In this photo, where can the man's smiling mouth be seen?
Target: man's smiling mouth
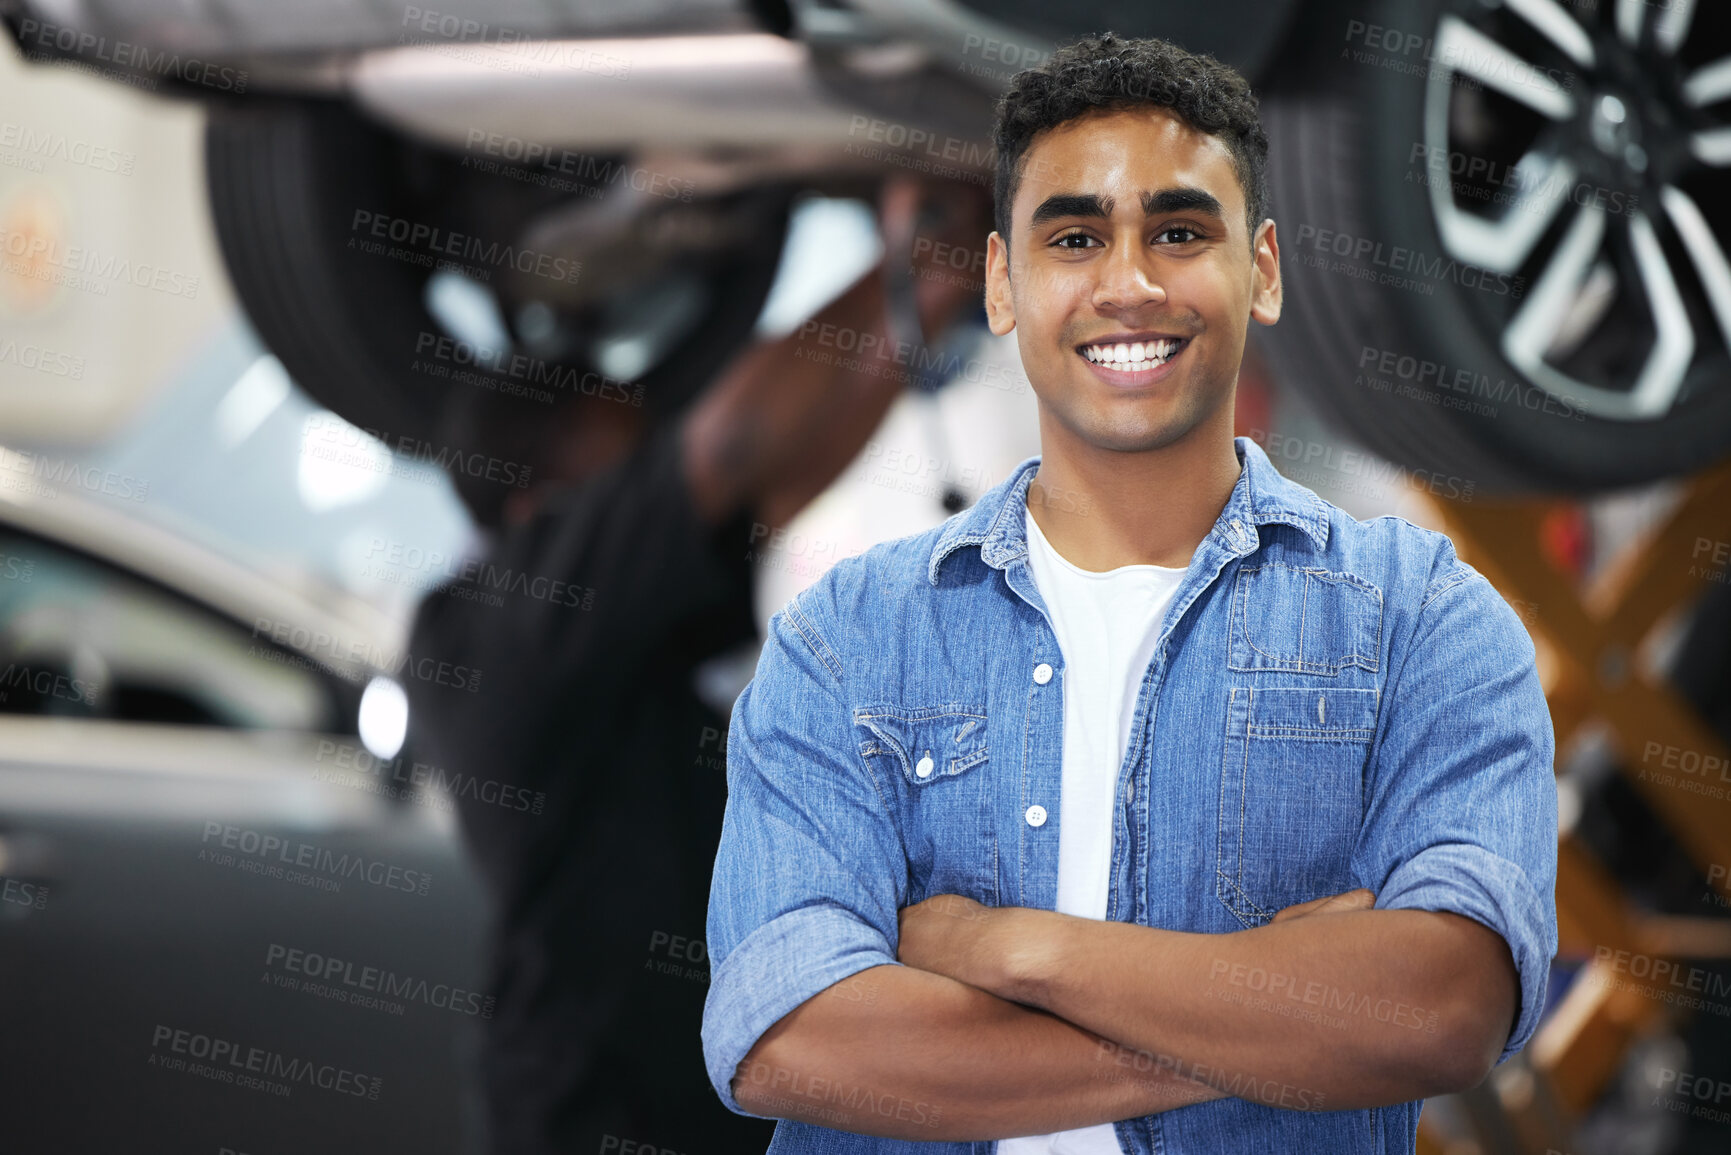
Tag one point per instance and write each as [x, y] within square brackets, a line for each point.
[1133, 356]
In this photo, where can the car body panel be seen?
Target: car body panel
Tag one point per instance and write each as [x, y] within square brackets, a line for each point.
[250, 939]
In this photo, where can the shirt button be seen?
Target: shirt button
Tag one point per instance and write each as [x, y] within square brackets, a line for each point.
[924, 769]
[1042, 675]
[1036, 815]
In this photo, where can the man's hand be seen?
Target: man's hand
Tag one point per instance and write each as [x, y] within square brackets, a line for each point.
[1360, 899]
[947, 935]
[939, 229]
[785, 417]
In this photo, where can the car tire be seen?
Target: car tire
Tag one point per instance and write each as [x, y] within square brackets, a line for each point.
[1425, 336]
[288, 183]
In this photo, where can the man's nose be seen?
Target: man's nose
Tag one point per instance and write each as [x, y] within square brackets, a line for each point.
[1128, 279]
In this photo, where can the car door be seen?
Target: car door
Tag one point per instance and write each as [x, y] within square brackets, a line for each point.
[224, 924]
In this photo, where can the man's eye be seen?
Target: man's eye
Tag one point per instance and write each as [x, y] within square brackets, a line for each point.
[1189, 234]
[1084, 238]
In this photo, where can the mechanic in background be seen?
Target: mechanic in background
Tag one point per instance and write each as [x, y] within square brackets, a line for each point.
[599, 901]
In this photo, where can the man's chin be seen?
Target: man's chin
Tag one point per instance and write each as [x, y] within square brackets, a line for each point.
[1111, 433]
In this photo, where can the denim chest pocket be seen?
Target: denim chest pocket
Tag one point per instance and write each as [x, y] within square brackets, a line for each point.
[1304, 621]
[1291, 794]
[939, 757]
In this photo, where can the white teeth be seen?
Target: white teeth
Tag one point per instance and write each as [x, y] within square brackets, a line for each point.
[1134, 355]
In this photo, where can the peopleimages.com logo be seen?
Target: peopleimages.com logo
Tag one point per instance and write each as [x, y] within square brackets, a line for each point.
[40, 37]
[336, 866]
[352, 982]
[226, 1061]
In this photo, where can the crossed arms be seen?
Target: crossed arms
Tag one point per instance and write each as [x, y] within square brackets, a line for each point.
[952, 1020]
[1011, 1021]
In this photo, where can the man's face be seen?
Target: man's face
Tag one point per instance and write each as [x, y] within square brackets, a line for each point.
[1132, 277]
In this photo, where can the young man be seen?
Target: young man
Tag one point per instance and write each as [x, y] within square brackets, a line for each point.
[1153, 804]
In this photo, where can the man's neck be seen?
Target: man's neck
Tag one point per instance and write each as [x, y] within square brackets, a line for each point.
[1101, 509]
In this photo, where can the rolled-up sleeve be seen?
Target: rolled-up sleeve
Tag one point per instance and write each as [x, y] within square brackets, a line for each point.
[810, 872]
[1461, 795]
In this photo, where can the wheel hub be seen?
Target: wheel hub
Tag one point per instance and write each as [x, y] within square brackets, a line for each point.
[1615, 129]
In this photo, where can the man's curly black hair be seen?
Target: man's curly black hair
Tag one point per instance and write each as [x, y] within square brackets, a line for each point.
[1109, 72]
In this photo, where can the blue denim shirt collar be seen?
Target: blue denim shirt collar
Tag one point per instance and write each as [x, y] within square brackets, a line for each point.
[1261, 496]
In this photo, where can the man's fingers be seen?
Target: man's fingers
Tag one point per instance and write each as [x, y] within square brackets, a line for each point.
[1298, 911]
[1359, 899]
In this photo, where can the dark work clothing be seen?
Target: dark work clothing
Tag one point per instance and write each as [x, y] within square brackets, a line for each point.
[600, 1005]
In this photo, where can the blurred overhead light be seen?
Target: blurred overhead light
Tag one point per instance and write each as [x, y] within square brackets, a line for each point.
[384, 717]
[831, 242]
[467, 310]
[253, 397]
[340, 464]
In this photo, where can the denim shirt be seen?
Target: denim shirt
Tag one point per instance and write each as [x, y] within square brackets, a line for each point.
[1331, 704]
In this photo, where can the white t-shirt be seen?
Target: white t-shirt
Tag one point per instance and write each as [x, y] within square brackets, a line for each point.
[1107, 624]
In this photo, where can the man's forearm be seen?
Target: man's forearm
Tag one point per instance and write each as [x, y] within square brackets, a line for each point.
[787, 415]
[903, 1053]
[1359, 1009]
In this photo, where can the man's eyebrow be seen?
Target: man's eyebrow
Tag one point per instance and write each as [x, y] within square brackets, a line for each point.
[1060, 205]
[1182, 200]
[1186, 199]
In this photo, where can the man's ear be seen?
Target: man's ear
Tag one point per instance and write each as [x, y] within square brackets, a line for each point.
[1000, 312]
[1265, 295]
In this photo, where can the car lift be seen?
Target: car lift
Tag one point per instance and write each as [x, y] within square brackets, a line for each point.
[1590, 648]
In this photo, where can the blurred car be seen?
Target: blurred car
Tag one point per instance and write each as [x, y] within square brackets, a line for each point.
[206, 874]
[1504, 223]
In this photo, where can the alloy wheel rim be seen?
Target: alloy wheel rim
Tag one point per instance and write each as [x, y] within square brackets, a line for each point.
[1588, 164]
